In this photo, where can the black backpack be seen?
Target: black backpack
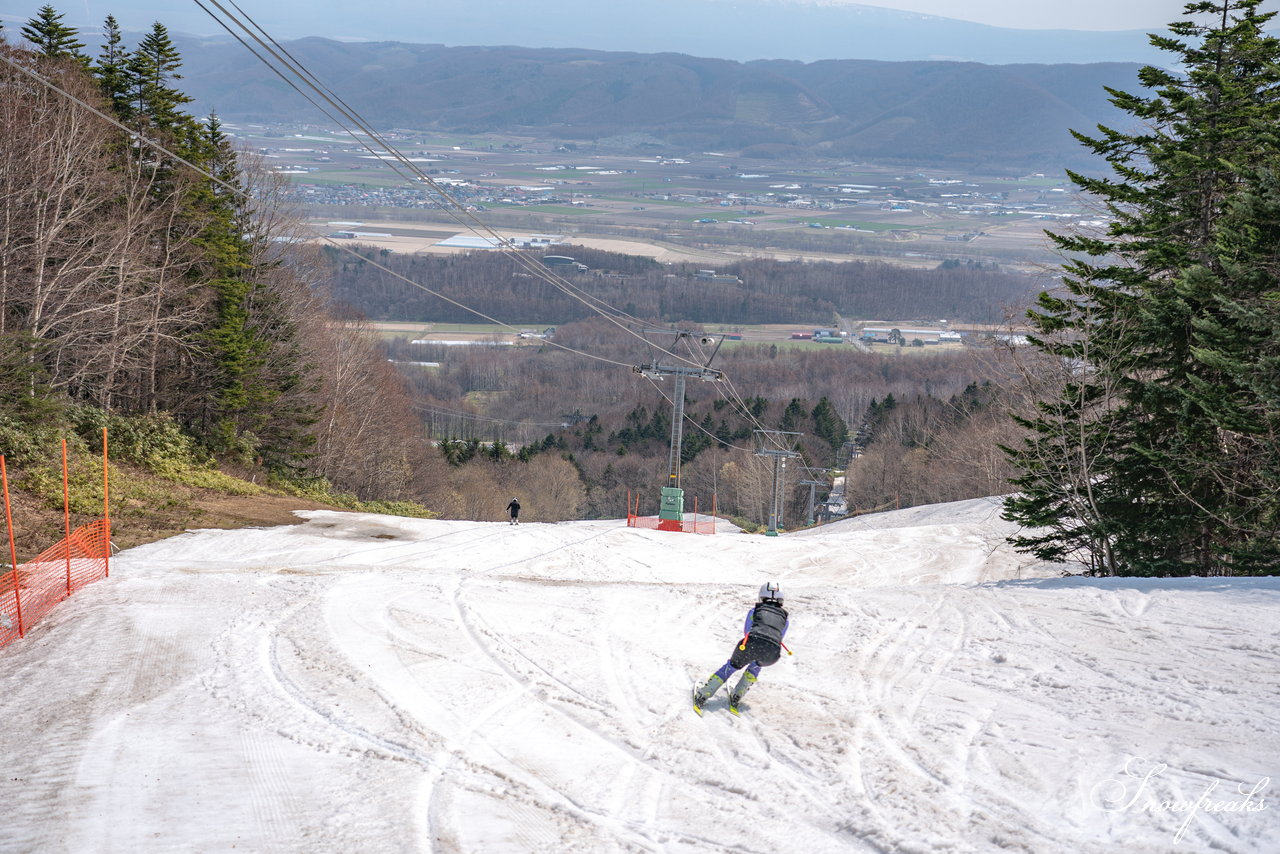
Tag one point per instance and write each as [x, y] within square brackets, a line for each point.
[768, 622]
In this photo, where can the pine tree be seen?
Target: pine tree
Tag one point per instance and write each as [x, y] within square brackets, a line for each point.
[829, 426]
[1237, 382]
[112, 69]
[792, 416]
[53, 39]
[258, 363]
[152, 67]
[1135, 466]
[235, 351]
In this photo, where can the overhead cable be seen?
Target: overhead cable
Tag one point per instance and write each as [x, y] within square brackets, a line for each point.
[476, 225]
[240, 193]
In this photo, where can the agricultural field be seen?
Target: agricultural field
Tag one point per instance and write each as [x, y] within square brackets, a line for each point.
[694, 201]
[778, 334]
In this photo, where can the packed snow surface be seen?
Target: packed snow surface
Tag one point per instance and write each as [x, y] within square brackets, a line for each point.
[362, 683]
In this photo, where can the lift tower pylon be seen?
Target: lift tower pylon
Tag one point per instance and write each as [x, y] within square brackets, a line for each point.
[780, 456]
[671, 508]
[813, 486]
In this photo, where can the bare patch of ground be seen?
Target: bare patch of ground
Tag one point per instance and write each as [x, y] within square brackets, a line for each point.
[145, 508]
[251, 511]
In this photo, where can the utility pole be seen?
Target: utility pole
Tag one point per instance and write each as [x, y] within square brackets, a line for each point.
[780, 456]
[671, 507]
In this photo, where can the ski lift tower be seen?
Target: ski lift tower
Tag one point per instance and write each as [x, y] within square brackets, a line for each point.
[780, 456]
[813, 486]
[671, 507]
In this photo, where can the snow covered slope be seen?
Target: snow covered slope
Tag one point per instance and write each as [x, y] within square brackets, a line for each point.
[363, 683]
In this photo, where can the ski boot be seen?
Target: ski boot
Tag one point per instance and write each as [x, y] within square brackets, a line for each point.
[744, 685]
[706, 692]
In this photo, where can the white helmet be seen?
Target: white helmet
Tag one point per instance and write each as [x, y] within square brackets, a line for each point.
[771, 590]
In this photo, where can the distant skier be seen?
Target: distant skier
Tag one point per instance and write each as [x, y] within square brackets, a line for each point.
[761, 645]
[514, 509]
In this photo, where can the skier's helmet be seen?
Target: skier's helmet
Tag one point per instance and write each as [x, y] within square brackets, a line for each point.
[771, 590]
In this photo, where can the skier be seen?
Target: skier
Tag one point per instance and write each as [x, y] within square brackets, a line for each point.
[514, 509]
[761, 646]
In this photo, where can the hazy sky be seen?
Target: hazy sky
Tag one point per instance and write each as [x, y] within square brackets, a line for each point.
[1026, 14]
[1050, 14]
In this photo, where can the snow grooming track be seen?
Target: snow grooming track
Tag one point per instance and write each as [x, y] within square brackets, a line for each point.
[566, 700]
[548, 694]
[367, 683]
[911, 735]
[581, 711]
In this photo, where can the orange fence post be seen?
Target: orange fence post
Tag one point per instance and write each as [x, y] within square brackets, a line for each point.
[66, 512]
[13, 551]
[106, 507]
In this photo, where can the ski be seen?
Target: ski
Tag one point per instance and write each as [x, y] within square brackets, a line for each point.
[697, 707]
[733, 710]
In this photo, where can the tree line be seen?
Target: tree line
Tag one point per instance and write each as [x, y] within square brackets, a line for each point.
[908, 429]
[1146, 437]
[765, 291]
[133, 283]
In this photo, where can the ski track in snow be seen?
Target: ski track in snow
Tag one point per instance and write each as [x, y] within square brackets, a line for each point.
[367, 683]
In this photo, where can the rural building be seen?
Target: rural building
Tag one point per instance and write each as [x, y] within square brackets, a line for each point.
[882, 334]
[466, 240]
[713, 276]
[563, 261]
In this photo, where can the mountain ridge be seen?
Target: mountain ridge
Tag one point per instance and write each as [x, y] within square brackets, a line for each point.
[964, 114]
[743, 30]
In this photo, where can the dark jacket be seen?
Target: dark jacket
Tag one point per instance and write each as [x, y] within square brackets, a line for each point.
[514, 507]
[767, 622]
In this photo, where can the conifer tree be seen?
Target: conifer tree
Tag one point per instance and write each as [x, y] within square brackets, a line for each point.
[152, 67]
[829, 426]
[112, 69]
[256, 358]
[1236, 348]
[53, 39]
[1136, 465]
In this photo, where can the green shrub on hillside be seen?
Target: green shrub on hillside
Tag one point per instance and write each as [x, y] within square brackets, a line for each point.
[24, 442]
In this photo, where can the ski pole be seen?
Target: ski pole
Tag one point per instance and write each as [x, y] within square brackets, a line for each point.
[784, 646]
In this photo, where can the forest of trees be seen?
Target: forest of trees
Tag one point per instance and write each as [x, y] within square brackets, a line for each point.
[769, 292]
[166, 285]
[148, 270]
[928, 426]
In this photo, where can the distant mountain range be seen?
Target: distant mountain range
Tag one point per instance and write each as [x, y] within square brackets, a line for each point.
[963, 114]
[806, 30]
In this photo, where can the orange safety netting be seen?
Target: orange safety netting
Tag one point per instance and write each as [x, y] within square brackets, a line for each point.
[55, 574]
[694, 526]
[686, 525]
